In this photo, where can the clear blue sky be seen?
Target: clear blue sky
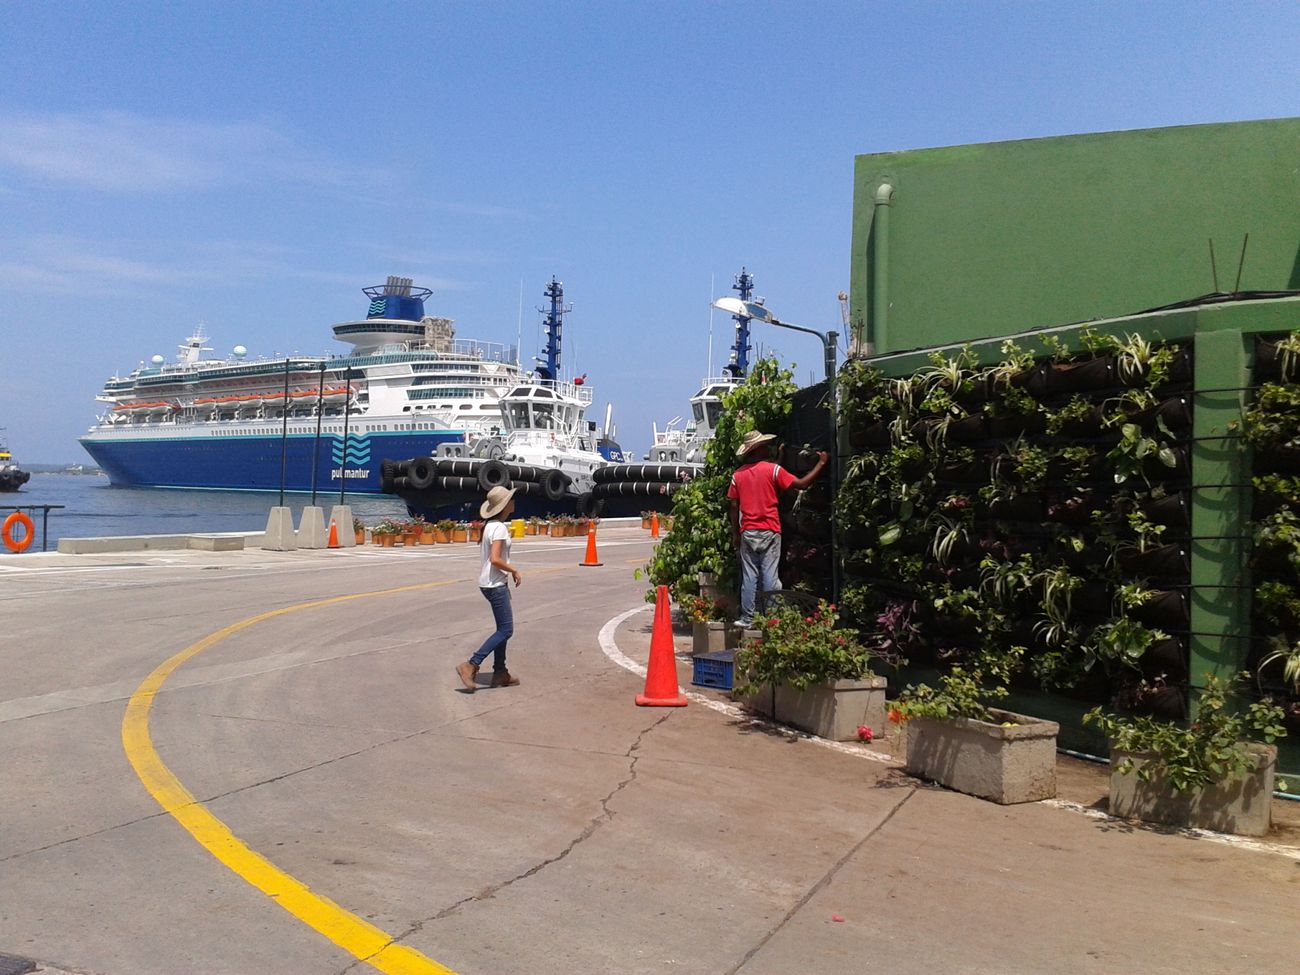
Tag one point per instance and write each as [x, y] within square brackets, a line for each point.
[255, 165]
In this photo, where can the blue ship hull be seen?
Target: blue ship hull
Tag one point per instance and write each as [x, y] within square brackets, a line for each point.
[252, 463]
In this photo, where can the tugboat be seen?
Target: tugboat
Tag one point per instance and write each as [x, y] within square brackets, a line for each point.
[546, 447]
[677, 454]
[12, 477]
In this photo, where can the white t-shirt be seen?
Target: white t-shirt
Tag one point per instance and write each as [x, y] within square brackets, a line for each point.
[490, 576]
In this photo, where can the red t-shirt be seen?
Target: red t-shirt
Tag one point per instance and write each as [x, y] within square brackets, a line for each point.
[756, 486]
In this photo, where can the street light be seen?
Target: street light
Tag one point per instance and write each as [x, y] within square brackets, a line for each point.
[758, 312]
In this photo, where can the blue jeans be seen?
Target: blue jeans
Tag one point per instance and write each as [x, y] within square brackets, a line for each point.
[499, 597]
[760, 555]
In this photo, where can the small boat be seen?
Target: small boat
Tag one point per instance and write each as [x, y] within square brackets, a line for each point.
[12, 477]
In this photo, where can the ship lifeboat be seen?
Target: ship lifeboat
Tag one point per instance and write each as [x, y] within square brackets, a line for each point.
[337, 395]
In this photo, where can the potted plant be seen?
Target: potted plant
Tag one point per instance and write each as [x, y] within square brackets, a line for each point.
[532, 526]
[359, 529]
[424, 531]
[460, 531]
[806, 671]
[709, 630]
[957, 738]
[476, 530]
[410, 531]
[1215, 773]
[646, 518]
[385, 533]
[442, 530]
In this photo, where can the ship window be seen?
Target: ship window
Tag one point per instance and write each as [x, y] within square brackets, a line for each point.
[699, 411]
[715, 413]
[544, 415]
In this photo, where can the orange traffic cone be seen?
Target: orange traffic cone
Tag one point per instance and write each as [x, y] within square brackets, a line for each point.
[661, 675]
[654, 524]
[591, 546]
[334, 535]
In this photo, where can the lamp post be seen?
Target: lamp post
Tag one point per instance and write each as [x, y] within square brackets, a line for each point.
[829, 340]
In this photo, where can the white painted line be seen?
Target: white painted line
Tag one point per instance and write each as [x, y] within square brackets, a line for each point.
[610, 648]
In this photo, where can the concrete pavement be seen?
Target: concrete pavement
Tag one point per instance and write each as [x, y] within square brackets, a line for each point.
[551, 827]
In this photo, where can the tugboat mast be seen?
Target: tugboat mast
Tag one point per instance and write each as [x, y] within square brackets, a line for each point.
[738, 368]
[549, 369]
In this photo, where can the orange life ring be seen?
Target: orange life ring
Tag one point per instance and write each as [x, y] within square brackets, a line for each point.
[18, 518]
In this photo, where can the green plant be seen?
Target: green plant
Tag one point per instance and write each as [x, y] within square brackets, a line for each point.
[966, 691]
[701, 536]
[1137, 358]
[386, 527]
[1288, 655]
[1079, 408]
[357, 524]
[1129, 456]
[800, 650]
[1121, 642]
[1210, 749]
[697, 609]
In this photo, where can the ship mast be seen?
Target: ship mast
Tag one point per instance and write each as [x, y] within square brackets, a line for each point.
[548, 369]
[738, 367]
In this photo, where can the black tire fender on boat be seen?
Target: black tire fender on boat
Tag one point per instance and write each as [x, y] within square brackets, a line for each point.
[528, 489]
[492, 473]
[420, 473]
[590, 506]
[462, 485]
[525, 472]
[554, 484]
[387, 474]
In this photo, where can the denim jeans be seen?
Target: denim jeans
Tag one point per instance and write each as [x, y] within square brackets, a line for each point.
[499, 598]
[760, 555]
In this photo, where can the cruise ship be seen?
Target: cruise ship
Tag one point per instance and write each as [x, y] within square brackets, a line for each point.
[407, 387]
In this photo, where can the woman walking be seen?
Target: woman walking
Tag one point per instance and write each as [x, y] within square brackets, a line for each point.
[494, 582]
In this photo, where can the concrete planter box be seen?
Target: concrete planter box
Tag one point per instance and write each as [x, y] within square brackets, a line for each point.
[1240, 805]
[831, 711]
[713, 637]
[1016, 763]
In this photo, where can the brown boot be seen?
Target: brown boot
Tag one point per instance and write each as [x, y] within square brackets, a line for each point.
[502, 678]
[468, 671]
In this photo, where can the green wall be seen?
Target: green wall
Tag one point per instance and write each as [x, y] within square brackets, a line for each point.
[989, 239]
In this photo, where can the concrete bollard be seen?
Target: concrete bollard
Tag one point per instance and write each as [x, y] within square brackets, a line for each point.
[341, 515]
[279, 535]
[311, 528]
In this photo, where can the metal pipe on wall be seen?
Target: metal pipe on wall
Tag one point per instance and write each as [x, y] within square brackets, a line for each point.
[877, 341]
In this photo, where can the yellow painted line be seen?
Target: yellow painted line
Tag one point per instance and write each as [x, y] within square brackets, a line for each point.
[354, 935]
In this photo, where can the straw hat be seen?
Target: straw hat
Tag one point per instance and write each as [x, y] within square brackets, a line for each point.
[753, 439]
[497, 498]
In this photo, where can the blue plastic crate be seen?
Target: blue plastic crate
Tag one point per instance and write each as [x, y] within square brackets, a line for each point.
[716, 670]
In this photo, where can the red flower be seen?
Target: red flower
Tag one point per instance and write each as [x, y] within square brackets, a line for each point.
[773, 622]
[864, 733]
[896, 716]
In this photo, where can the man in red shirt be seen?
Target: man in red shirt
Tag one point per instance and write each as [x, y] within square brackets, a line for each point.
[756, 518]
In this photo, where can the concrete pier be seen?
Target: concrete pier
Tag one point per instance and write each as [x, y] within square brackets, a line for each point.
[306, 703]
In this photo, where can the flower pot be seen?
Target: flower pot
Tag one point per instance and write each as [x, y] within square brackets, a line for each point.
[1088, 425]
[832, 711]
[1008, 762]
[460, 535]
[361, 537]
[1242, 804]
[865, 437]
[1269, 363]
[1088, 374]
[1165, 611]
[440, 536]
[1021, 507]
[543, 529]
[476, 534]
[969, 429]
[410, 538]
[1167, 657]
[426, 538]
[645, 523]
[1164, 561]
[712, 636]
[1170, 511]
[1012, 425]
[388, 541]
[968, 472]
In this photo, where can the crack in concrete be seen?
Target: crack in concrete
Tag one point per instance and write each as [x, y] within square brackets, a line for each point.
[606, 814]
[820, 885]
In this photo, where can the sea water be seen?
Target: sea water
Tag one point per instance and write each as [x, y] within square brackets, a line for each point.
[94, 508]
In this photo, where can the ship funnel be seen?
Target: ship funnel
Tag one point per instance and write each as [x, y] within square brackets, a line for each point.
[397, 299]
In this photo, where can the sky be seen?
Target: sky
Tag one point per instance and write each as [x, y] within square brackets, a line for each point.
[253, 166]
